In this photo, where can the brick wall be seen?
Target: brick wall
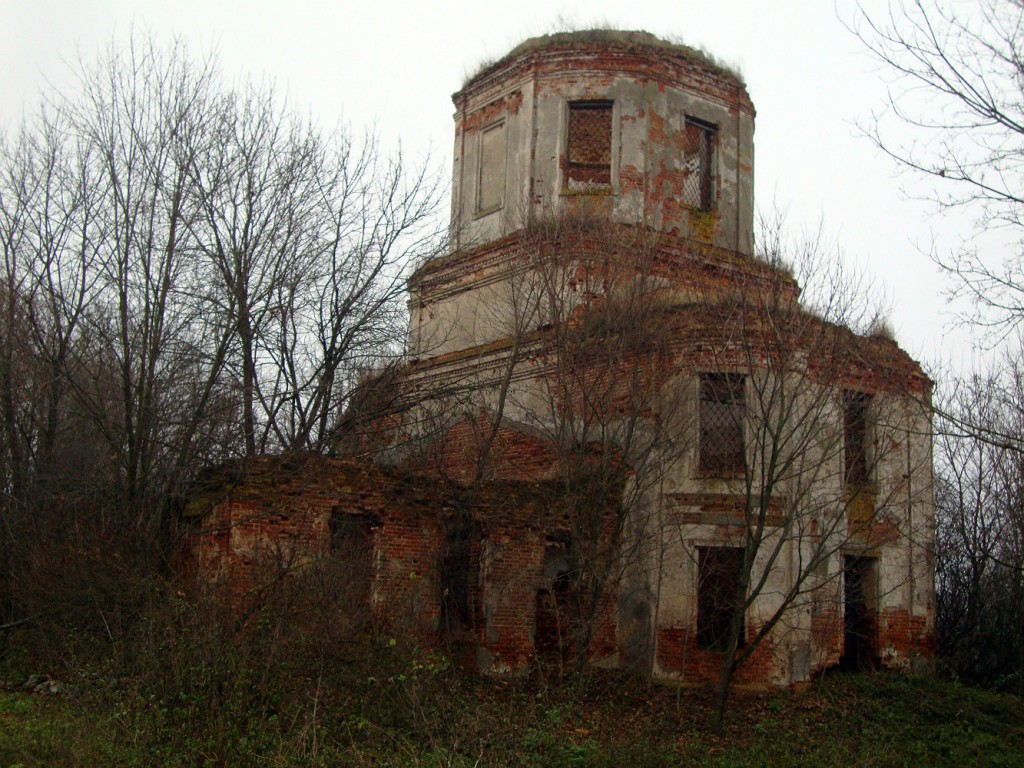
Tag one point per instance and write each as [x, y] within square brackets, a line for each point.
[678, 655]
[253, 523]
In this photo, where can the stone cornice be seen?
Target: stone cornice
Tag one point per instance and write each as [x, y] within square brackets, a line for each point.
[571, 54]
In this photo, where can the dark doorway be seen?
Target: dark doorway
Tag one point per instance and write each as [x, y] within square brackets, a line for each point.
[457, 569]
[551, 632]
[718, 581]
[860, 616]
[350, 565]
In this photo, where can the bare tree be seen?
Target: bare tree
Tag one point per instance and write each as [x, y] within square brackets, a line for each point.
[138, 117]
[956, 85]
[248, 265]
[689, 420]
[570, 353]
[48, 259]
[980, 534]
[819, 437]
[598, 399]
[14, 230]
[808, 442]
[307, 237]
[374, 216]
[189, 273]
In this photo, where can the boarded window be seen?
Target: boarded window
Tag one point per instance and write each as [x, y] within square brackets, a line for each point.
[699, 155]
[855, 436]
[589, 146]
[722, 411]
[492, 168]
[719, 571]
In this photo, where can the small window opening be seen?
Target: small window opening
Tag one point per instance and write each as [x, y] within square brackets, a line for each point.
[855, 437]
[589, 146]
[719, 571]
[699, 155]
[722, 410]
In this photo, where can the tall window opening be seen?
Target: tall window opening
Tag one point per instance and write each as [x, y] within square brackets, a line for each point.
[722, 411]
[699, 155]
[719, 571]
[589, 147]
[855, 437]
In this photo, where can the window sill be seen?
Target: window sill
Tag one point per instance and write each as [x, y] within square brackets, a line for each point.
[487, 212]
[706, 474]
[866, 489]
[588, 192]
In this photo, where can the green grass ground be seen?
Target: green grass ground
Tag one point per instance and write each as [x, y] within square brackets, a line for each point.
[444, 720]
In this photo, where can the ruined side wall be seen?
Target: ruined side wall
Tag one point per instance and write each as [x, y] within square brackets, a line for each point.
[244, 537]
[265, 526]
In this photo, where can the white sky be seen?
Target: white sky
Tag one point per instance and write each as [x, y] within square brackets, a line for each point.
[395, 63]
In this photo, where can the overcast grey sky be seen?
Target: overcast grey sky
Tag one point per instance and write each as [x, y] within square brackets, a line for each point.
[395, 63]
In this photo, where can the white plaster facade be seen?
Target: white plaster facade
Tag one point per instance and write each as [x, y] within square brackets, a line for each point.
[480, 335]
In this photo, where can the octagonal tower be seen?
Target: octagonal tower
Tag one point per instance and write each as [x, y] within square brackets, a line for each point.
[652, 132]
[615, 127]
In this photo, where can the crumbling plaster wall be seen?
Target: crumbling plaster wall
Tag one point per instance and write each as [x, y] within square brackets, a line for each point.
[653, 92]
[657, 592]
[701, 511]
[504, 290]
[527, 101]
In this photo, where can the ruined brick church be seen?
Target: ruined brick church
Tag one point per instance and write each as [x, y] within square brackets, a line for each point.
[618, 435]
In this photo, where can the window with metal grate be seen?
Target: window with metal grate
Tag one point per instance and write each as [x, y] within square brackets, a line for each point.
[589, 147]
[722, 410]
[699, 155]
